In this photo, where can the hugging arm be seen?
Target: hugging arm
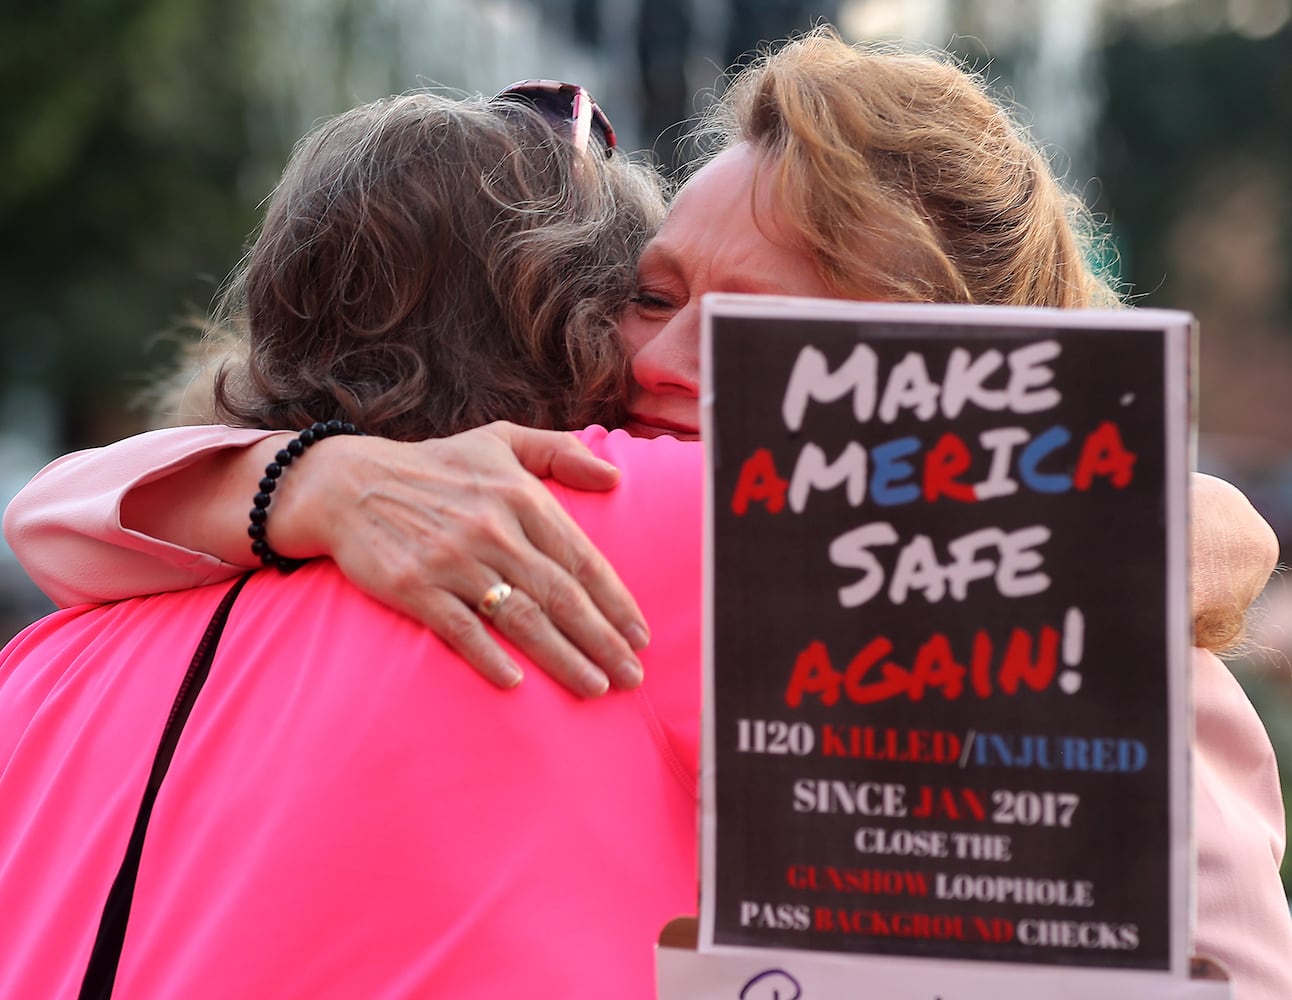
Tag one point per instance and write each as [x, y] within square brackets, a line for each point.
[67, 526]
[425, 527]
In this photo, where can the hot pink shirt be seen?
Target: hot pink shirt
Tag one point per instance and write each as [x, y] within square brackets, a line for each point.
[351, 812]
[66, 528]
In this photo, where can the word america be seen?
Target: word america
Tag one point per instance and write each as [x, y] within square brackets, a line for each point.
[894, 472]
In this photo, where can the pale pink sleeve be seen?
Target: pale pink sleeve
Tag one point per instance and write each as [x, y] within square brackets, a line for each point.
[65, 525]
[1243, 918]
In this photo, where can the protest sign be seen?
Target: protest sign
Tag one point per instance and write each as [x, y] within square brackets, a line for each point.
[947, 632]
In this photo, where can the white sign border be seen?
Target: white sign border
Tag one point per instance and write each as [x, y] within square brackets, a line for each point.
[1179, 456]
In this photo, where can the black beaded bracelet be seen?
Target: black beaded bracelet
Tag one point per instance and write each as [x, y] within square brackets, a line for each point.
[260, 512]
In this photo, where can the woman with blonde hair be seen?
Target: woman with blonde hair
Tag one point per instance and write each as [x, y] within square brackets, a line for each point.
[876, 156]
[837, 171]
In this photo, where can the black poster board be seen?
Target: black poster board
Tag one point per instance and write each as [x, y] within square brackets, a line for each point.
[947, 648]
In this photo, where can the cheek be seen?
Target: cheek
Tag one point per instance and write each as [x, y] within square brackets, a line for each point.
[636, 331]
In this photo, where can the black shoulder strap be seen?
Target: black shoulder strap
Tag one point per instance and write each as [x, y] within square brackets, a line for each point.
[106, 954]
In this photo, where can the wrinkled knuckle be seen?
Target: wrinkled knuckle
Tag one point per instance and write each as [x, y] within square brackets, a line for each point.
[583, 566]
[565, 602]
[524, 618]
[458, 627]
[487, 535]
[435, 562]
[404, 573]
[523, 492]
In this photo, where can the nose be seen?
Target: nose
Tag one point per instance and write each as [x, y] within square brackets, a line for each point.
[669, 363]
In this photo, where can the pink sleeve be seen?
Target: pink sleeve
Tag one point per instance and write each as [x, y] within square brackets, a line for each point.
[65, 525]
[1243, 918]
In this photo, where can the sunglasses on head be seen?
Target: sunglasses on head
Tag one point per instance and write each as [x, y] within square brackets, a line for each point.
[565, 105]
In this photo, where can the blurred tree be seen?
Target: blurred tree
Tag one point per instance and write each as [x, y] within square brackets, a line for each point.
[1195, 152]
[664, 41]
[1176, 111]
[121, 151]
[1195, 158]
[674, 49]
[755, 23]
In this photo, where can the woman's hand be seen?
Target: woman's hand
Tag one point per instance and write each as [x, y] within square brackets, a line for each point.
[428, 527]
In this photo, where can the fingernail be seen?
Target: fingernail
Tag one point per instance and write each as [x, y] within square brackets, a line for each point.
[637, 636]
[512, 675]
[595, 683]
[630, 674]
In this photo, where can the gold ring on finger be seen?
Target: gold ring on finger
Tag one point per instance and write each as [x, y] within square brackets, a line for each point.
[493, 598]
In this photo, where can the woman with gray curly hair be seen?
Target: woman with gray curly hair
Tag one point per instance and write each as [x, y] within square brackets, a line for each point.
[283, 788]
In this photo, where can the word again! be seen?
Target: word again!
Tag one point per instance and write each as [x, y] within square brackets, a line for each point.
[1025, 661]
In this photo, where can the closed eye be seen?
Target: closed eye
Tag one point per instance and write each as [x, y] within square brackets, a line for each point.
[651, 302]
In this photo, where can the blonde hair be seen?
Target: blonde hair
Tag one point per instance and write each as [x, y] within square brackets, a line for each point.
[182, 393]
[906, 180]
